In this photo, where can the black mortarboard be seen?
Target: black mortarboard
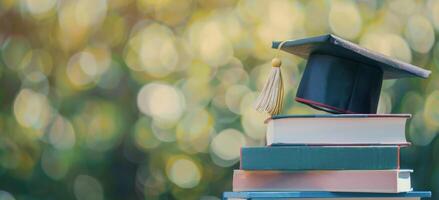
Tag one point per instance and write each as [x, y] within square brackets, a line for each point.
[342, 77]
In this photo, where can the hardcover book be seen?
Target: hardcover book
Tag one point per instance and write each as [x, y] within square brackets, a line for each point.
[379, 181]
[345, 129]
[320, 158]
[415, 195]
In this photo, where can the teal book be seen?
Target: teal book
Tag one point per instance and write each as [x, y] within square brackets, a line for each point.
[414, 195]
[320, 158]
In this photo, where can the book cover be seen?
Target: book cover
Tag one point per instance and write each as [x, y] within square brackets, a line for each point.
[320, 158]
[380, 181]
[326, 195]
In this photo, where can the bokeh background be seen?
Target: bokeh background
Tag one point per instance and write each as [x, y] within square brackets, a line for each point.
[125, 99]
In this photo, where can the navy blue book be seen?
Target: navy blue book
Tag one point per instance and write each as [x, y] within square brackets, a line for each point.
[320, 158]
[326, 195]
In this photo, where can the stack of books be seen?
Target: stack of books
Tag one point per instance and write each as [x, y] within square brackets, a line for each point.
[347, 156]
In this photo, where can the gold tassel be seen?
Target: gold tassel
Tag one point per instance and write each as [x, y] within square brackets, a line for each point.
[271, 98]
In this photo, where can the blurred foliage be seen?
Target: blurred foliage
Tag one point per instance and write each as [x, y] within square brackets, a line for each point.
[125, 99]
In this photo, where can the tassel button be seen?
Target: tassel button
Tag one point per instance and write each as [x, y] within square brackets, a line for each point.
[276, 62]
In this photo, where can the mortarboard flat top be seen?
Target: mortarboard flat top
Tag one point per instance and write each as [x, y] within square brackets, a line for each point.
[342, 77]
[283, 195]
[332, 45]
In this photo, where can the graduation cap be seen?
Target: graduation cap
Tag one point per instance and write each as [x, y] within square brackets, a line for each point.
[340, 76]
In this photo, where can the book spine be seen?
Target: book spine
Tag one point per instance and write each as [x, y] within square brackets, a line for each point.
[319, 158]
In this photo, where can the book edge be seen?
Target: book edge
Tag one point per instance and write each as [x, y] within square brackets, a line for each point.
[420, 194]
[339, 116]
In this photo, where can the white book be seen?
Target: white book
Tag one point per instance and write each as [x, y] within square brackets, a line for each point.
[344, 129]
